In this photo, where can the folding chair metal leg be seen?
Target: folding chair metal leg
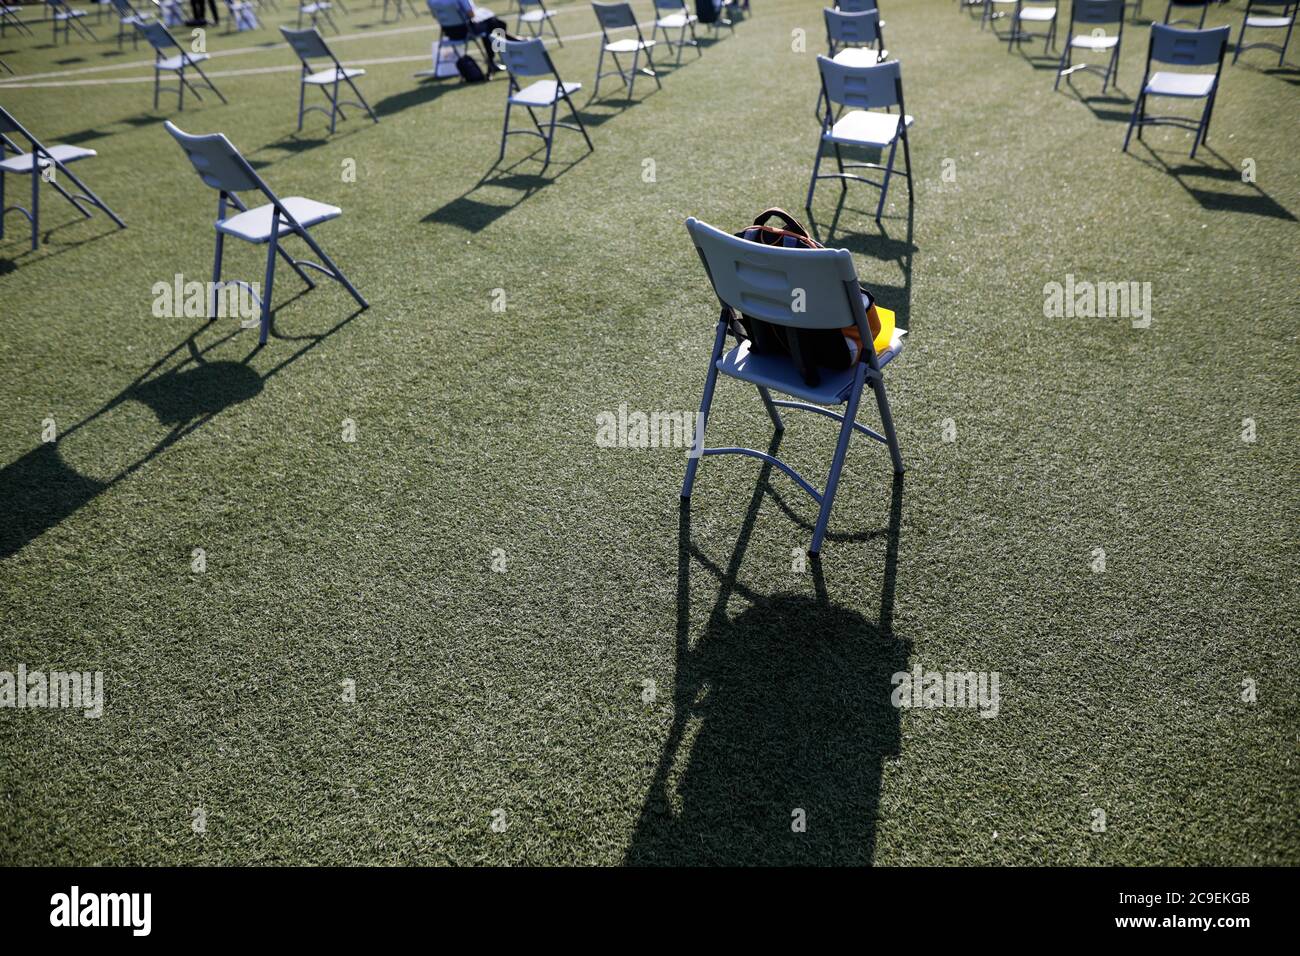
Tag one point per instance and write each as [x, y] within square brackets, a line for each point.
[1133, 120]
[550, 136]
[582, 127]
[837, 464]
[772, 410]
[812, 185]
[889, 171]
[711, 380]
[505, 131]
[302, 98]
[334, 103]
[36, 201]
[267, 287]
[551, 21]
[333, 271]
[216, 274]
[887, 421]
[361, 99]
[208, 83]
[600, 62]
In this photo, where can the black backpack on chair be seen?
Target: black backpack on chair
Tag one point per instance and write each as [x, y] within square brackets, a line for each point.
[834, 349]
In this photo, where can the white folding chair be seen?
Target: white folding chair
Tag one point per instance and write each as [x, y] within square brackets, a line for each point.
[992, 12]
[861, 90]
[309, 46]
[127, 18]
[1033, 11]
[1088, 22]
[534, 15]
[619, 16]
[63, 15]
[525, 59]
[317, 11]
[242, 16]
[852, 39]
[43, 164]
[221, 167]
[397, 6]
[799, 289]
[9, 18]
[1187, 5]
[1257, 17]
[1181, 48]
[161, 40]
[674, 15]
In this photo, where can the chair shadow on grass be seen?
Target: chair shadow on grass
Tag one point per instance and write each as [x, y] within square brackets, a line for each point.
[781, 712]
[473, 214]
[1196, 174]
[40, 489]
[1098, 101]
[891, 242]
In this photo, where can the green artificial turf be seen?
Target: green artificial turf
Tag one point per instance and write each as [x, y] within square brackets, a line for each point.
[526, 691]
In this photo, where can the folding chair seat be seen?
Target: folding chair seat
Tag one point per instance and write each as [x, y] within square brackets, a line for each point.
[35, 160]
[525, 59]
[317, 11]
[309, 45]
[1037, 11]
[536, 19]
[765, 282]
[221, 167]
[63, 15]
[619, 16]
[9, 18]
[1189, 6]
[1282, 18]
[860, 90]
[673, 15]
[242, 16]
[1087, 32]
[161, 40]
[1181, 48]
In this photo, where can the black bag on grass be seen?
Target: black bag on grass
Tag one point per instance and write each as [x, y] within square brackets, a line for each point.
[469, 70]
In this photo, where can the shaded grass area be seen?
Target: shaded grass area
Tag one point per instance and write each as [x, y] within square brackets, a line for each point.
[642, 685]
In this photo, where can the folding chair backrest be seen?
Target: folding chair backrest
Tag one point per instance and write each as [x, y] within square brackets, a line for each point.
[526, 57]
[672, 6]
[1188, 47]
[614, 16]
[1097, 12]
[124, 8]
[857, 6]
[862, 87]
[1284, 4]
[308, 44]
[448, 13]
[861, 27]
[768, 282]
[531, 3]
[159, 36]
[217, 161]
